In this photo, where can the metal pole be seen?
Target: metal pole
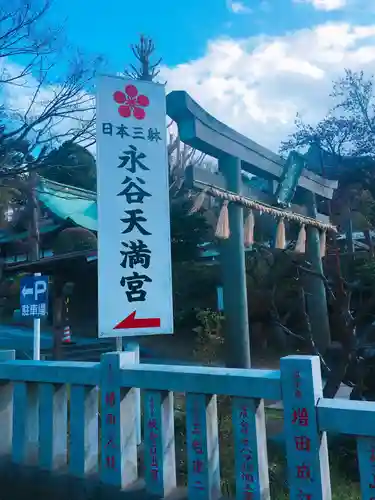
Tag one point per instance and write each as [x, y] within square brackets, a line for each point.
[36, 339]
[119, 344]
[220, 298]
[232, 254]
[134, 347]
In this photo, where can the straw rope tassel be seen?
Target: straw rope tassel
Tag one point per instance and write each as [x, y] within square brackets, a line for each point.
[280, 235]
[323, 243]
[301, 240]
[222, 228]
[198, 202]
[267, 209]
[248, 232]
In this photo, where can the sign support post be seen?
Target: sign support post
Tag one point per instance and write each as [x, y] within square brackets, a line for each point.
[119, 344]
[36, 340]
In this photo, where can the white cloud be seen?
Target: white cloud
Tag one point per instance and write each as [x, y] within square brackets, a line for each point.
[326, 5]
[238, 7]
[257, 85]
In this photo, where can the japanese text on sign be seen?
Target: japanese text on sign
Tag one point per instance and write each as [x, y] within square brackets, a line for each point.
[137, 254]
[33, 310]
[153, 435]
[246, 455]
[302, 442]
[110, 420]
[297, 384]
[371, 485]
[198, 457]
[135, 294]
[152, 134]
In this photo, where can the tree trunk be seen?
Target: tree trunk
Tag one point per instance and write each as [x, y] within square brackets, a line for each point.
[34, 219]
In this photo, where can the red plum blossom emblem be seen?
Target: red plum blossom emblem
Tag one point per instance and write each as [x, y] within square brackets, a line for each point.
[131, 103]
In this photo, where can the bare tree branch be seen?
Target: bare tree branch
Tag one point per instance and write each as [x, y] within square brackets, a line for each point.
[143, 52]
[55, 113]
[25, 30]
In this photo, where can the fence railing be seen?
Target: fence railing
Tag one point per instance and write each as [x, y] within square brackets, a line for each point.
[102, 402]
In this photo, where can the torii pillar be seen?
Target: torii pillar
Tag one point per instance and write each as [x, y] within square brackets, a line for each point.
[232, 258]
[232, 252]
[316, 299]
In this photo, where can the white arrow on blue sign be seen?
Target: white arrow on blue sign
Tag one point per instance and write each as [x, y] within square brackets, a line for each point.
[27, 291]
[34, 296]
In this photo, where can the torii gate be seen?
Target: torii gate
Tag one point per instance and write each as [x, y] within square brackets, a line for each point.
[236, 152]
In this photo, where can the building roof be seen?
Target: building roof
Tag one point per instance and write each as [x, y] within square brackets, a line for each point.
[66, 203]
[69, 203]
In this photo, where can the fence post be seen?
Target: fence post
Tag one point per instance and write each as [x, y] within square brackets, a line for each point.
[366, 459]
[6, 408]
[83, 430]
[118, 422]
[202, 440]
[53, 426]
[159, 443]
[25, 445]
[306, 447]
[250, 447]
[133, 347]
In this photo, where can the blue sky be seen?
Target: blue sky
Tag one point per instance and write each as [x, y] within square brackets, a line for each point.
[253, 64]
[180, 29]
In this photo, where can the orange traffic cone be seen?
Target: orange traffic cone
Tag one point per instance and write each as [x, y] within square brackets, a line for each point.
[66, 337]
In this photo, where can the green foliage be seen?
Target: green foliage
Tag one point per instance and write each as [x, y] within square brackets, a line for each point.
[74, 239]
[364, 272]
[14, 152]
[71, 164]
[194, 287]
[210, 340]
[194, 283]
[271, 279]
[10, 295]
[187, 231]
[210, 323]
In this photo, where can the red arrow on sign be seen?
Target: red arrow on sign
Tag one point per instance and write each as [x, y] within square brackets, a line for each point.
[132, 322]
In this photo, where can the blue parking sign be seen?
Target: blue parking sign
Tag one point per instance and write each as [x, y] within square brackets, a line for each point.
[34, 296]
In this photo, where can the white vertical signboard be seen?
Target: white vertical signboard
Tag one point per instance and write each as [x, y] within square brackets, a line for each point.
[134, 248]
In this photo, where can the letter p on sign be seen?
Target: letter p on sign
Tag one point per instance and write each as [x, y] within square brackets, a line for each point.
[40, 288]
